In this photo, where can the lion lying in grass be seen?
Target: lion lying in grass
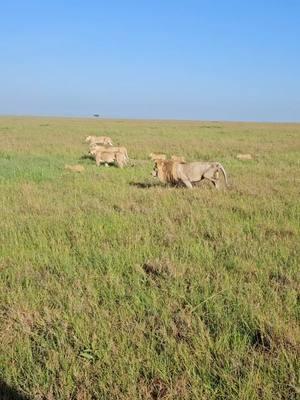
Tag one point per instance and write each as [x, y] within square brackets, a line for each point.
[105, 140]
[74, 168]
[173, 172]
[180, 159]
[156, 156]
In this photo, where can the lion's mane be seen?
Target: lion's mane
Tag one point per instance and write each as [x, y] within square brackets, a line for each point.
[167, 171]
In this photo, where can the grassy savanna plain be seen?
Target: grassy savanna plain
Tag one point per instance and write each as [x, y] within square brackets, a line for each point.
[113, 286]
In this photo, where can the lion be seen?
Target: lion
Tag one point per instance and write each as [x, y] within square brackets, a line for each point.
[155, 156]
[180, 159]
[105, 140]
[74, 168]
[109, 157]
[244, 157]
[173, 172]
[121, 149]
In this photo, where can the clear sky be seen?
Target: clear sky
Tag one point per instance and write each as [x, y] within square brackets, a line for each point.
[188, 59]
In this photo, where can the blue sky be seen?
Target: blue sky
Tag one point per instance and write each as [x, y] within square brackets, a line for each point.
[206, 60]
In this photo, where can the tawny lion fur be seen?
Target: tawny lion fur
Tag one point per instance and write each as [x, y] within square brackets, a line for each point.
[109, 157]
[156, 156]
[173, 172]
[75, 168]
[178, 159]
[96, 148]
[105, 140]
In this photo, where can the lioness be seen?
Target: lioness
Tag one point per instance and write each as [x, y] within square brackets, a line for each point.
[173, 172]
[244, 157]
[178, 159]
[109, 157]
[74, 168]
[121, 149]
[105, 140]
[155, 156]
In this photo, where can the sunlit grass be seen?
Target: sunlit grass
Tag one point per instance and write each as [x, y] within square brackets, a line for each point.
[113, 286]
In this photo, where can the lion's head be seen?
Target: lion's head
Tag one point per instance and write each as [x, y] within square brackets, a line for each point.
[165, 171]
[93, 152]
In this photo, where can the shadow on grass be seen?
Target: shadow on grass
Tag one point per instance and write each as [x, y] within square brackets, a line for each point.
[203, 185]
[144, 185]
[87, 157]
[10, 393]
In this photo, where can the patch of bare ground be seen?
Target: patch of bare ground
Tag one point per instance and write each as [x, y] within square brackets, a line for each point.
[159, 269]
[181, 328]
[281, 280]
[266, 339]
[156, 388]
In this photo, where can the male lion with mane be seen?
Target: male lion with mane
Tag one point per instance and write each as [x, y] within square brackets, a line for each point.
[173, 172]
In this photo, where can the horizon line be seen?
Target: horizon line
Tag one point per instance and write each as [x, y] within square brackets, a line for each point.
[107, 118]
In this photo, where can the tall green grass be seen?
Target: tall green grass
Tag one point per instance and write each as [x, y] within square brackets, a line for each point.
[113, 286]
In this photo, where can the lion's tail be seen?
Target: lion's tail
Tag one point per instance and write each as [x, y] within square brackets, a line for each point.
[224, 173]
